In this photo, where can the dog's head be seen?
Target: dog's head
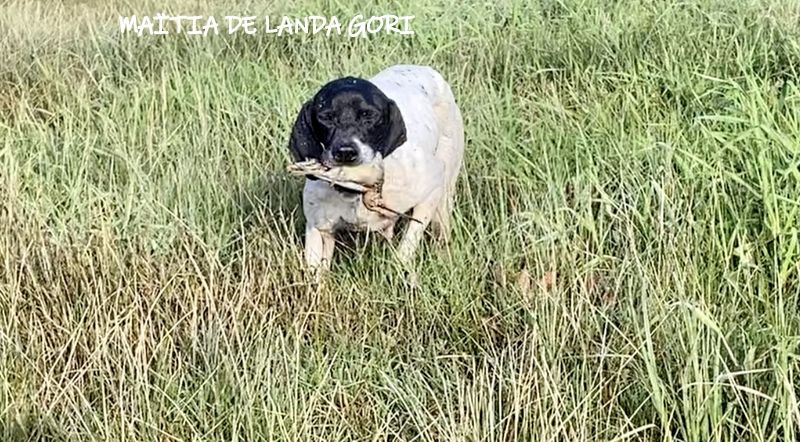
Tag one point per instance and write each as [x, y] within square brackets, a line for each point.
[347, 122]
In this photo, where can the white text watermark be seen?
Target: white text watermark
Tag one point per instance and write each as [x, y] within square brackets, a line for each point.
[356, 26]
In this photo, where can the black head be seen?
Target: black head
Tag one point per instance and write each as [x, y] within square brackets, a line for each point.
[348, 121]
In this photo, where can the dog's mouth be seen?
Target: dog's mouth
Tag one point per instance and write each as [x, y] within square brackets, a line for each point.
[329, 163]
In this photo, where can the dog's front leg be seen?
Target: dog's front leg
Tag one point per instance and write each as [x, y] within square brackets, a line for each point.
[422, 214]
[319, 251]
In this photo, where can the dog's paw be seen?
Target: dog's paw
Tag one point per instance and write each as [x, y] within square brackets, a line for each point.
[411, 280]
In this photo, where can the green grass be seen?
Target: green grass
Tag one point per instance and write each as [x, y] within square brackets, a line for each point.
[642, 155]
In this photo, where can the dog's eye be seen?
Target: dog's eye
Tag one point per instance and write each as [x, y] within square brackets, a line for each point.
[366, 114]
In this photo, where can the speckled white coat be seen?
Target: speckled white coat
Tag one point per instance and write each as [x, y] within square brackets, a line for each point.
[419, 176]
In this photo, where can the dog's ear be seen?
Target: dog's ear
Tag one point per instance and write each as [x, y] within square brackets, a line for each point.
[302, 143]
[396, 130]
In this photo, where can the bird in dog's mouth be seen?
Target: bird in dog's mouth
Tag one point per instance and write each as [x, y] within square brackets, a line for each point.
[365, 178]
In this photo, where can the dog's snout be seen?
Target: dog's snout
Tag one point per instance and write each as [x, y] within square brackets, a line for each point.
[345, 154]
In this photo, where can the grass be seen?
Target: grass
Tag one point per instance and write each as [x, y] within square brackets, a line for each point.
[625, 262]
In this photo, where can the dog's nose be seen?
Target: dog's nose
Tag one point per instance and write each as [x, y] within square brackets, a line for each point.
[345, 154]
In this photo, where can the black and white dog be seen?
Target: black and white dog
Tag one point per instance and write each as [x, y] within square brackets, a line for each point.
[403, 122]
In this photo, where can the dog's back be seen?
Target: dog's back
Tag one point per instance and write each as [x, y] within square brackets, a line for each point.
[430, 110]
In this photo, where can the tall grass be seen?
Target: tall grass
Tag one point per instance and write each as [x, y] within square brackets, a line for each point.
[625, 262]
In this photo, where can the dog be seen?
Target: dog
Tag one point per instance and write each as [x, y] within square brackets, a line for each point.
[401, 127]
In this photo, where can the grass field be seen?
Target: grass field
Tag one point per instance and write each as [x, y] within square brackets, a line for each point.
[625, 262]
